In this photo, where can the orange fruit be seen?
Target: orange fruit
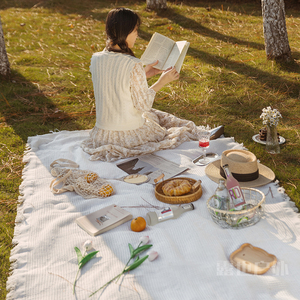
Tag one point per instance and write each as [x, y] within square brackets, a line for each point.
[106, 190]
[138, 224]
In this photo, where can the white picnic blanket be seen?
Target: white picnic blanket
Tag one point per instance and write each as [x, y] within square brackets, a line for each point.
[193, 261]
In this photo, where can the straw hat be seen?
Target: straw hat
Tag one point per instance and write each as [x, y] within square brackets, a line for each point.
[243, 166]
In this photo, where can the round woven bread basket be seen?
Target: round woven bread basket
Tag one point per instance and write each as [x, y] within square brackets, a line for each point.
[191, 196]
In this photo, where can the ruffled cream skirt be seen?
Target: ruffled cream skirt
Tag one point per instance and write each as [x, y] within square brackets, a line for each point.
[160, 131]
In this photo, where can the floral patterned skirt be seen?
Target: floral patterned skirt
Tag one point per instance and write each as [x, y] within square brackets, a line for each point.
[160, 131]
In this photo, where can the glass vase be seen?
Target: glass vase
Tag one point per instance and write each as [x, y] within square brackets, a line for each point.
[272, 144]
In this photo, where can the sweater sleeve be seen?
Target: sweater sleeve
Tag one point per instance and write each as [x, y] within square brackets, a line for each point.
[142, 96]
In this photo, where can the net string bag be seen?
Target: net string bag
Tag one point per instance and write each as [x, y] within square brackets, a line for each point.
[69, 178]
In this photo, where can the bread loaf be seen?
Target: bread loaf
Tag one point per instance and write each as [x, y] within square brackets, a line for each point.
[176, 187]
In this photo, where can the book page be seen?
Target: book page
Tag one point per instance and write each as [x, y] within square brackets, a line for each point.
[175, 55]
[181, 58]
[152, 166]
[159, 49]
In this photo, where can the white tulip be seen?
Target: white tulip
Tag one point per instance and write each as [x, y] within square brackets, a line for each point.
[88, 245]
[152, 255]
[144, 240]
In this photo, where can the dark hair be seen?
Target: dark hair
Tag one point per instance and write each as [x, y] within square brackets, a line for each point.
[120, 22]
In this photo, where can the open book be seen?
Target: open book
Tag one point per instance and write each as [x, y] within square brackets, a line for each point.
[104, 219]
[166, 51]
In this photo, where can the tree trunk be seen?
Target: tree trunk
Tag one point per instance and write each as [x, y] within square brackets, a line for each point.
[276, 38]
[156, 4]
[4, 63]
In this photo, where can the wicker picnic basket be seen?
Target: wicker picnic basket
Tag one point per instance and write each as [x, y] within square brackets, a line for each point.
[255, 201]
[193, 195]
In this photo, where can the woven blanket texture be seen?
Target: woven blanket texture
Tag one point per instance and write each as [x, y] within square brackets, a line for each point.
[193, 261]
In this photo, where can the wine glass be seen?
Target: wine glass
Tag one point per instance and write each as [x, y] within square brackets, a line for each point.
[204, 137]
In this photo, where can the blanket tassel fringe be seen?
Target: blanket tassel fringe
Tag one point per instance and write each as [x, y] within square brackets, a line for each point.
[16, 288]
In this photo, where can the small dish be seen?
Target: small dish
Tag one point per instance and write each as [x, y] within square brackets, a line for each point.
[136, 178]
[253, 260]
[256, 139]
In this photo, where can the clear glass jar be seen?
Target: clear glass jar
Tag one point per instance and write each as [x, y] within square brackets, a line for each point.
[272, 144]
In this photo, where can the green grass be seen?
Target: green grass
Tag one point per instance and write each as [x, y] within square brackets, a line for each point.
[226, 79]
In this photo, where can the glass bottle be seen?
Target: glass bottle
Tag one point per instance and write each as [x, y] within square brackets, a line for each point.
[234, 189]
[170, 212]
[272, 144]
[221, 199]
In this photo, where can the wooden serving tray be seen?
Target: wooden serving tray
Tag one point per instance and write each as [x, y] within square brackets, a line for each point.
[253, 260]
[187, 198]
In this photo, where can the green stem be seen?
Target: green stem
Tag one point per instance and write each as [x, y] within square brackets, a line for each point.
[123, 269]
[118, 276]
[75, 281]
[128, 263]
[106, 284]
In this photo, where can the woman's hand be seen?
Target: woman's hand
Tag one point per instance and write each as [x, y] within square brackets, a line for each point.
[150, 71]
[169, 75]
[166, 77]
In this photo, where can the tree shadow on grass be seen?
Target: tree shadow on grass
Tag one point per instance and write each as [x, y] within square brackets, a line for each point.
[30, 111]
[290, 66]
[144, 35]
[190, 24]
[245, 7]
[266, 79]
[84, 8]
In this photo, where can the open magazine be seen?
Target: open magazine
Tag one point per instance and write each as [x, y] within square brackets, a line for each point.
[168, 52]
[153, 166]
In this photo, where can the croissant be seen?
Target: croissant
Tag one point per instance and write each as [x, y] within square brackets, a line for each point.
[176, 187]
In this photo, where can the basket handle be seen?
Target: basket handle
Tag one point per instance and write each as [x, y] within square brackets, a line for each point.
[161, 176]
[196, 185]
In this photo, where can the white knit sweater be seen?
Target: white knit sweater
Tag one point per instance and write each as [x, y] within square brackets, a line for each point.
[111, 79]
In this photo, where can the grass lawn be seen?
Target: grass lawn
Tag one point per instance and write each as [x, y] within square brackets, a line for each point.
[226, 79]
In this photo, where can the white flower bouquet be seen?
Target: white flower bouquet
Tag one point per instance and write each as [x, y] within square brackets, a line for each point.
[270, 116]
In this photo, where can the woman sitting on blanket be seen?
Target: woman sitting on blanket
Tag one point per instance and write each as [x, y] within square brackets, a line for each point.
[126, 123]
